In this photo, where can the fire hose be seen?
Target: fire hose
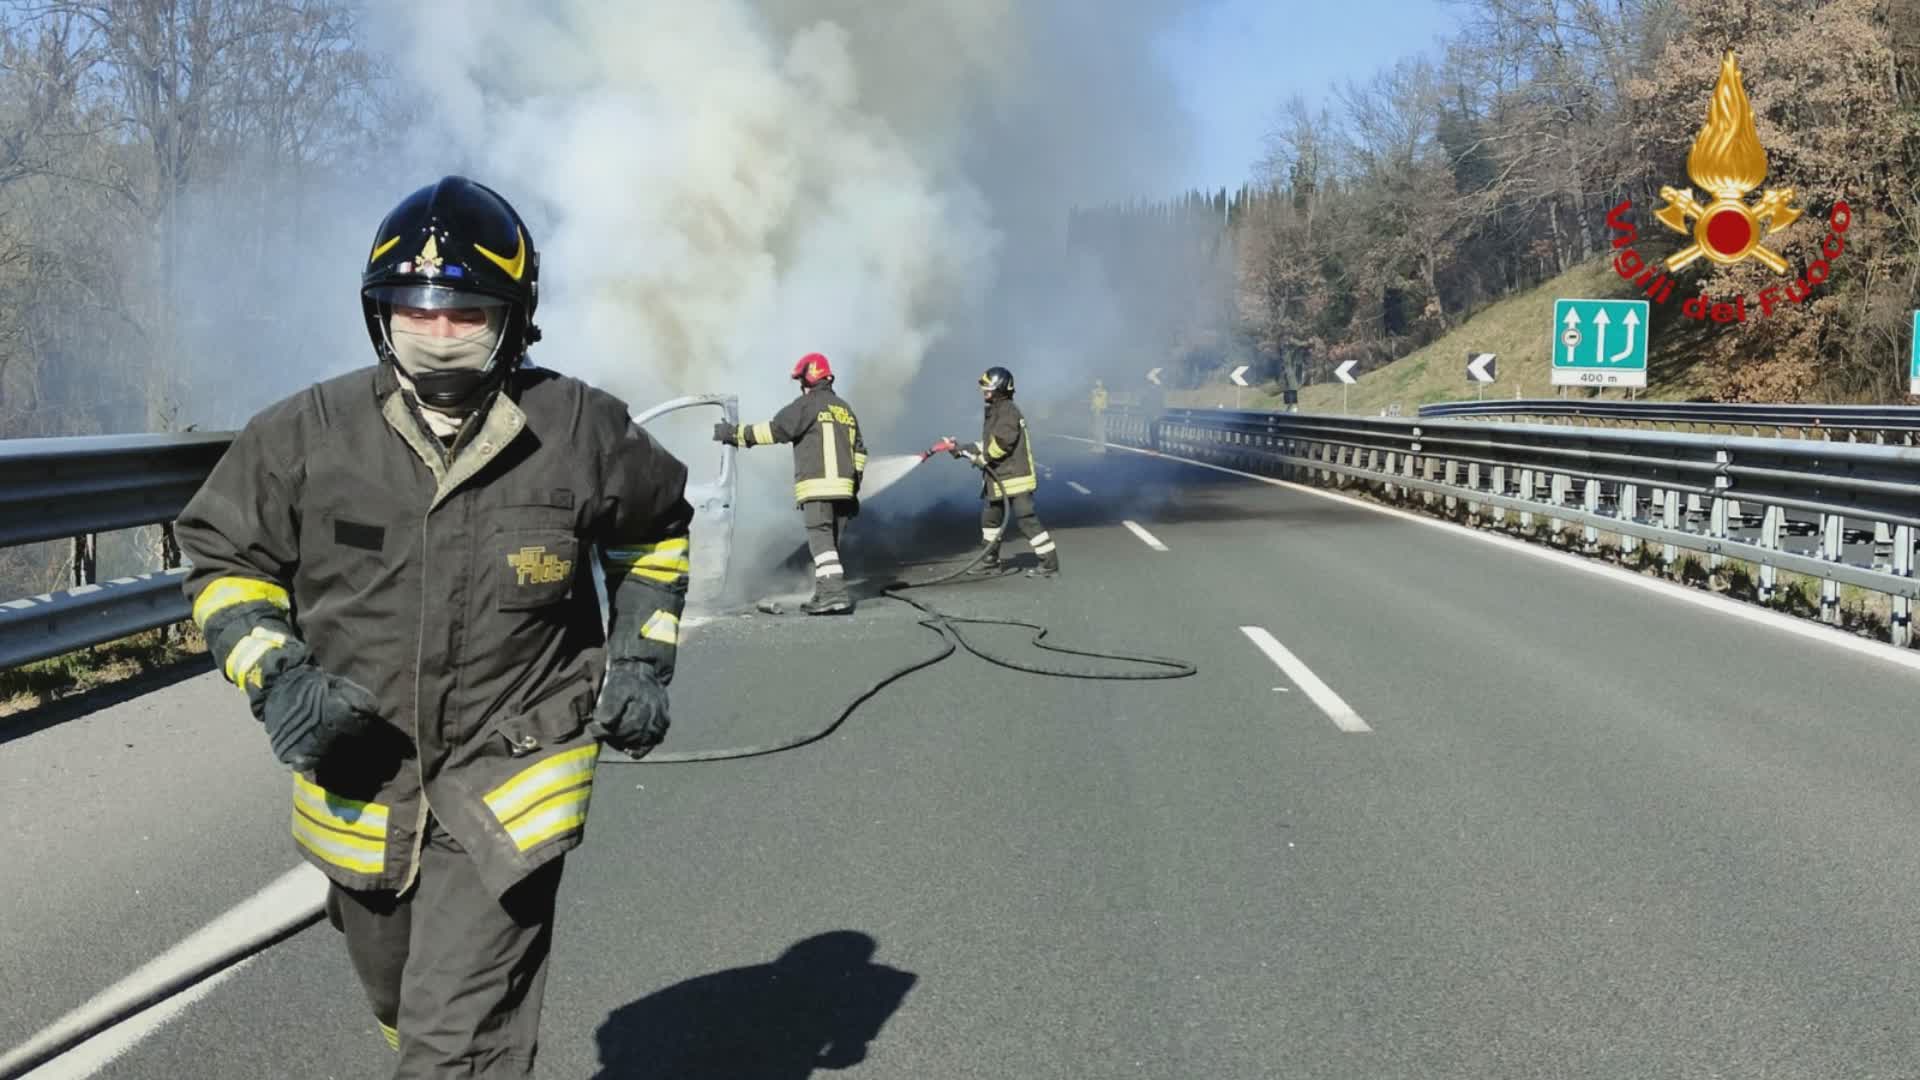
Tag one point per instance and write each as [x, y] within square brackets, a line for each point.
[947, 628]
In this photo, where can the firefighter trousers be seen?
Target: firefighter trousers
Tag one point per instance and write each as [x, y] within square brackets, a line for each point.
[993, 527]
[825, 520]
[456, 978]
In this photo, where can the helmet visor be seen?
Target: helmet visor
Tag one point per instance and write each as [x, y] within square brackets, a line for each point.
[432, 297]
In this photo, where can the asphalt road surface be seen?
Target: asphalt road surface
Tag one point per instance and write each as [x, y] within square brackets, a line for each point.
[1429, 808]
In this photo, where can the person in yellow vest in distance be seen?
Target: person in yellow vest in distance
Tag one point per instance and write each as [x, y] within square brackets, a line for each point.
[1099, 417]
[829, 462]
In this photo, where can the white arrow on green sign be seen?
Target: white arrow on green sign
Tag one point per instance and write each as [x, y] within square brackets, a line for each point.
[1600, 343]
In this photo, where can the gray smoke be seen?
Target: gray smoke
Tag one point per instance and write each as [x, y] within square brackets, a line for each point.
[720, 187]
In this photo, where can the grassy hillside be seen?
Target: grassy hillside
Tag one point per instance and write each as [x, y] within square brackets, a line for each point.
[1517, 330]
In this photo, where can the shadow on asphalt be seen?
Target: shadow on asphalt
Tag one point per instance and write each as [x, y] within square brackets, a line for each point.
[818, 1006]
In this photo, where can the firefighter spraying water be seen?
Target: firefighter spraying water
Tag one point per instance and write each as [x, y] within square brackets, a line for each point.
[829, 463]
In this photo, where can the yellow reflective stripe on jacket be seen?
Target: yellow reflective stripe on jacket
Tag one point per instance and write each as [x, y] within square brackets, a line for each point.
[763, 432]
[665, 562]
[393, 1035]
[367, 819]
[546, 799]
[841, 488]
[859, 461]
[223, 593]
[662, 626]
[994, 449]
[1012, 486]
[343, 832]
[243, 663]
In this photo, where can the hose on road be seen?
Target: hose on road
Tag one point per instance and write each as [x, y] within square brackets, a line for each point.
[947, 628]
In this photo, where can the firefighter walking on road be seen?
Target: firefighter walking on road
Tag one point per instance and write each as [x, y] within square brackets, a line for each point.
[829, 461]
[1004, 455]
[393, 566]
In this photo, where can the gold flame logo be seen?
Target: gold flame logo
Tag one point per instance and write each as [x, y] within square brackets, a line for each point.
[1727, 160]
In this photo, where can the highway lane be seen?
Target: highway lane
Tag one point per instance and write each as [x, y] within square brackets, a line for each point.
[1530, 866]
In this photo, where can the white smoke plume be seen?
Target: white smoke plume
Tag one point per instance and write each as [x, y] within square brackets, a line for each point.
[719, 187]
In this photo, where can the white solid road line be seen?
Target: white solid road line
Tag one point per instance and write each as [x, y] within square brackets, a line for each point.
[1146, 537]
[1720, 605]
[1330, 703]
[1076, 486]
[296, 896]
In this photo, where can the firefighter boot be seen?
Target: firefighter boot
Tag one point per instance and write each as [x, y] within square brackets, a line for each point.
[829, 597]
[989, 563]
[1049, 565]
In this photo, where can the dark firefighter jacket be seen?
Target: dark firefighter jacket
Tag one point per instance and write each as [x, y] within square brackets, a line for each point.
[458, 592]
[829, 454]
[1003, 438]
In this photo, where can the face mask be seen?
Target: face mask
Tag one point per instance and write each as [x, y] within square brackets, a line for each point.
[419, 353]
[426, 355]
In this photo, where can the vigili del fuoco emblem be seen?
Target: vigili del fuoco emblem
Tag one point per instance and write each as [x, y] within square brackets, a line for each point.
[1728, 161]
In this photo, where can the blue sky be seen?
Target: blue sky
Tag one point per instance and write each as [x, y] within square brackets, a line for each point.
[1239, 61]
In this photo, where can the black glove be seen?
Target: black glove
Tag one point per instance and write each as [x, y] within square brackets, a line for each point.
[632, 714]
[725, 432]
[307, 712]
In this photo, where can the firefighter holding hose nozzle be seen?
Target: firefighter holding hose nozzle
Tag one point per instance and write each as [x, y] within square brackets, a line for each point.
[1004, 456]
[829, 461]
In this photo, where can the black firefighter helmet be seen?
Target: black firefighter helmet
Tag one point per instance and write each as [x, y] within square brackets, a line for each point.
[454, 244]
[997, 378]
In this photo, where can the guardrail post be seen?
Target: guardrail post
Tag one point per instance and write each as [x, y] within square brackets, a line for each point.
[1453, 481]
[1903, 565]
[86, 559]
[1499, 487]
[1557, 488]
[1831, 550]
[1408, 466]
[1882, 544]
[1717, 528]
[1473, 484]
[1773, 521]
[1526, 494]
[1627, 508]
[1670, 518]
[1591, 535]
[1717, 517]
[1428, 466]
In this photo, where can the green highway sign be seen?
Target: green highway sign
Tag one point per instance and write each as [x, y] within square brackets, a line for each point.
[1913, 365]
[1600, 343]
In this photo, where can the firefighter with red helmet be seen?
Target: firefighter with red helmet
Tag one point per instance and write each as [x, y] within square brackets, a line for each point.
[393, 566]
[1004, 456]
[829, 460]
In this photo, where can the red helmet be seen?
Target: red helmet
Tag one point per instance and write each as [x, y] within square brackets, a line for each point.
[813, 368]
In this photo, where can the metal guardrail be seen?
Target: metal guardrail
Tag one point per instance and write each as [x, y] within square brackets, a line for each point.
[1640, 486]
[1643, 487]
[75, 488]
[1826, 420]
